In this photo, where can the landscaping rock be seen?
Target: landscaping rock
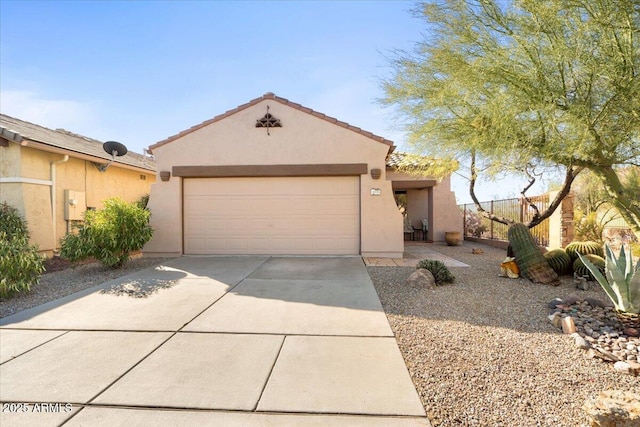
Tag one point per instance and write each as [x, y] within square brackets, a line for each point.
[580, 342]
[632, 332]
[583, 285]
[571, 300]
[621, 366]
[422, 278]
[556, 320]
[598, 325]
[593, 302]
[614, 408]
[568, 326]
[627, 367]
[555, 302]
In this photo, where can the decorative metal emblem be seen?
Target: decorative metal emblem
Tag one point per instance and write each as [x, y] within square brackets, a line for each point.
[268, 121]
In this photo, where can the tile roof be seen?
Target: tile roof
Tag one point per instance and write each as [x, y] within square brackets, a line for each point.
[69, 141]
[397, 159]
[272, 96]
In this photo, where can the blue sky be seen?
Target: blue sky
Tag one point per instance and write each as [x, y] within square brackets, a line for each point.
[138, 72]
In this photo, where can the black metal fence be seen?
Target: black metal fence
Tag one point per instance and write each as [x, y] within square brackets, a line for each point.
[476, 225]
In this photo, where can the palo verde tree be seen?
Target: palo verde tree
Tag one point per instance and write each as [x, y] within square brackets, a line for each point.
[525, 86]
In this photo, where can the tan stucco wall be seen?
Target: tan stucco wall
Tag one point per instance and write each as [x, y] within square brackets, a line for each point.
[165, 204]
[446, 214]
[10, 167]
[34, 200]
[26, 198]
[303, 139]
[417, 206]
[10, 160]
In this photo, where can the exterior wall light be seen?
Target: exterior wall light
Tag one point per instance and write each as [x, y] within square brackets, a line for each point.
[165, 175]
[376, 173]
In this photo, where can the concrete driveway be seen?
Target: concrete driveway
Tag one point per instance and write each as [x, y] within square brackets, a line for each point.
[220, 341]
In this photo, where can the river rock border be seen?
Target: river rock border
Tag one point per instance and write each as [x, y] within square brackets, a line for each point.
[595, 328]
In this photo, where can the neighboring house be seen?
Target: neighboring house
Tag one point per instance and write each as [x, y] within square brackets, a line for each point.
[53, 176]
[274, 177]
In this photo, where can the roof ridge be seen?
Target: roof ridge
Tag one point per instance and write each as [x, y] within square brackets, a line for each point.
[284, 101]
[77, 135]
[64, 132]
[73, 141]
[59, 130]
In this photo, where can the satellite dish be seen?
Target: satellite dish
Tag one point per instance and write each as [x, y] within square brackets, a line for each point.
[115, 148]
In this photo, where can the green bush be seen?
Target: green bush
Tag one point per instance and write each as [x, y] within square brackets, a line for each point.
[588, 227]
[20, 263]
[440, 271]
[110, 234]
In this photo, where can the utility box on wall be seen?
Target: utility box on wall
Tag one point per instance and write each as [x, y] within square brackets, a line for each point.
[75, 204]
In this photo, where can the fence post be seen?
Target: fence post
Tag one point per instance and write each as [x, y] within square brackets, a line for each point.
[521, 210]
[464, 218]
[491, 221]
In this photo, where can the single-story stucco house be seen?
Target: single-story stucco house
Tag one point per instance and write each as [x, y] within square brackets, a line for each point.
[53, 176]
[275, 177]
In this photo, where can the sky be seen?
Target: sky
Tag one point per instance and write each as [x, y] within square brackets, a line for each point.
[138, 72]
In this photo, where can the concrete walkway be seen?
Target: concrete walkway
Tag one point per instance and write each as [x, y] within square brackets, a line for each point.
[414, 252]
[220, 341]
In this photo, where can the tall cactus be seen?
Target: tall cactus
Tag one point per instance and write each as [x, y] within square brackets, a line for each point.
[533, 265]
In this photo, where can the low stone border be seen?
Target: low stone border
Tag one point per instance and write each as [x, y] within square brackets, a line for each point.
[595, 328]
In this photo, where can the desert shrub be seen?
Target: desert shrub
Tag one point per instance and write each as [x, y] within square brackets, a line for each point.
[588, 227]
[473, 224]
[440, 272]
[20, 263]
[11, 222]
[110, 234]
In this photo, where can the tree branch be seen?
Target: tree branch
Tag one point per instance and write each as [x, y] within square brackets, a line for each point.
[472, 192]
[570, 176]
[532, 205]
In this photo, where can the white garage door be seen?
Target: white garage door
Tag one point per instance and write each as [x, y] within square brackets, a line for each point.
[297, 215]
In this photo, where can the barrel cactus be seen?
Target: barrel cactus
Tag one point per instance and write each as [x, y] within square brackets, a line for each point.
[532, 264]
[559, 260]
[581, 270]
[583, 248]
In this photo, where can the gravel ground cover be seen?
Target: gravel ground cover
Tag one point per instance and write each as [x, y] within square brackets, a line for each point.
[60, 283]
[482, 351]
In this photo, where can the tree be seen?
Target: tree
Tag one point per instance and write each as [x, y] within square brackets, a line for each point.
[526, 87]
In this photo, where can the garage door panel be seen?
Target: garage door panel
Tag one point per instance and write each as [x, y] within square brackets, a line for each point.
[308, 215]
[196, 245]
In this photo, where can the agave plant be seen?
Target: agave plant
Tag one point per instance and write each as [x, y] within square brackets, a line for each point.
[622, 281]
